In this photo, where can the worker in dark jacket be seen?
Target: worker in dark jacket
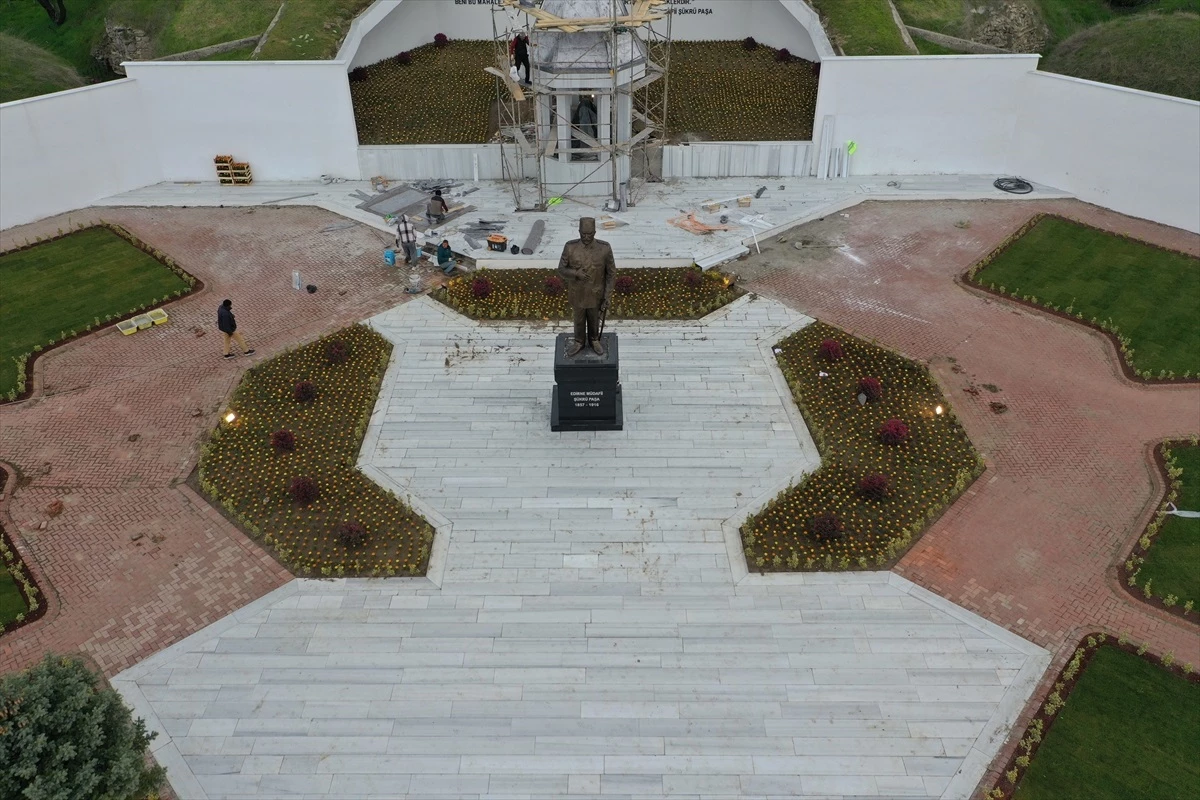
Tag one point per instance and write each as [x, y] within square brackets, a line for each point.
[227, 325]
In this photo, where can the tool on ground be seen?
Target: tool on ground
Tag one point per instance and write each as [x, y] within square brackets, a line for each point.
[497, 242]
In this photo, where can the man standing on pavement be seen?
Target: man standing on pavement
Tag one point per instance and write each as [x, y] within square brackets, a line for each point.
[406, 238]
[227, 325]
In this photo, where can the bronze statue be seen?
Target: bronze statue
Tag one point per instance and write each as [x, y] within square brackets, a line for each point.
[588, 269]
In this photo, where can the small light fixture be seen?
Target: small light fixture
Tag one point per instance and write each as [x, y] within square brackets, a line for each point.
[231, 417]
[939, 410]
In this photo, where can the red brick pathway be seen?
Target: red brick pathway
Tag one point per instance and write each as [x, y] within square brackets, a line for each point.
[1070, 482]
[136, 561]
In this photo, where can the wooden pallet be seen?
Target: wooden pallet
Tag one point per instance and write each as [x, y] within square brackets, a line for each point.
[232, 173]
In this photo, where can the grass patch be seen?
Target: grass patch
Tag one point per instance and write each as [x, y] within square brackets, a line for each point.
[12, 604]
[862, 27]
[537, 294]
[199, 23]
[52, 291]
[246, 468]
[411, 104]
[1151, 52]
[924, 472]
[1129, 729]
[27, 70]
[928, 48]
[1165, 565]
[720, 91]
[943, 16]
[1144, 295]
[311, 29]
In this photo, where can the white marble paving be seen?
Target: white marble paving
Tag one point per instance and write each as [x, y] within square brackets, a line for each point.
[588, 629]
[646, 240]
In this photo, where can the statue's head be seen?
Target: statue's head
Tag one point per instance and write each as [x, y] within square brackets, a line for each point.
[587, 229]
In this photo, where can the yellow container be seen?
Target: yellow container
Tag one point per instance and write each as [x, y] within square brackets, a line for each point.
[127, 327]
[142, 321]
[158, 316]
[744, 201]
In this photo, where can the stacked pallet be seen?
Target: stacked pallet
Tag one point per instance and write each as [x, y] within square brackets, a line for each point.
[230, 172]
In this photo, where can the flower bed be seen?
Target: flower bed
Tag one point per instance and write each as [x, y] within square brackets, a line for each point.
[1164, 567]
[429, 95]
[284, 466]
[1137, 293]
[534, 294]
[1128, 730]
[889, 467]
[59, 288]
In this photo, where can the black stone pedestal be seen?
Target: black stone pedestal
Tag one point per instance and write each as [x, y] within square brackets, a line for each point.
[587, 387]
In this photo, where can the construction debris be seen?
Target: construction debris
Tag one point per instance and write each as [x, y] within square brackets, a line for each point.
[689, 222]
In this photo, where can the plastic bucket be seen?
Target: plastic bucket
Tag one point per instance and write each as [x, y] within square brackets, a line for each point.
[389, 257]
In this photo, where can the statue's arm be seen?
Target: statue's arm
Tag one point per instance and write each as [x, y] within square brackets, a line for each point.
[565, 270]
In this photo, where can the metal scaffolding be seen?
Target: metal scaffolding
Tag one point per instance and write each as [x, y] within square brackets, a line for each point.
[627, 125]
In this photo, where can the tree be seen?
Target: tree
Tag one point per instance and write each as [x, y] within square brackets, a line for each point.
[62, 737]
[57, 15]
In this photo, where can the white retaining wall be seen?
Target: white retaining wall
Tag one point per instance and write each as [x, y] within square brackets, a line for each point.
[290, 120]
[65, 150]
[918, 115]
[1133, 152]
[390, 26]
[735, 159]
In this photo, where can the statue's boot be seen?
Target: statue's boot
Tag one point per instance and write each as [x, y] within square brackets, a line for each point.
[597, 347]
[574, 349]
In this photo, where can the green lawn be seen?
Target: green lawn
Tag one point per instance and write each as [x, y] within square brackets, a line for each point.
[928, 48]
[1130, 729]
[1149, 47]
[66, 284]
[27, 70]
[1173, 560]
[11, 601]
[1151, 52]
[1150, 294]
[862, 27]
[301, 32]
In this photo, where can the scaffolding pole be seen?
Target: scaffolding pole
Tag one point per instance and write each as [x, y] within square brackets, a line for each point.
[531, 131]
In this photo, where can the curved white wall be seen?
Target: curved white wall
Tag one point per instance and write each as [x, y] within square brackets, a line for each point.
[390, 26]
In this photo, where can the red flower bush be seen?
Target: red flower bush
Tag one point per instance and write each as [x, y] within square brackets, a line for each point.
[692, 278]
[358, 74]
[481, 288]
[893, 431]
[555, 286]
[403, 58]
[783, 54]
[284, 441]
[872, 388]
[303, 490]
[337, 352]
[830, 350]
[875, 486]
[749, 43]
[826, 526]
[305, 391]
[624, 284]
[441, 40]
[350, 534]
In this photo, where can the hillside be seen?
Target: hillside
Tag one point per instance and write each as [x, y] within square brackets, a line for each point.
[27, 70]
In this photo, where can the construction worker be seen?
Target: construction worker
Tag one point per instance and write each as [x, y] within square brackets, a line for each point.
[518, 48]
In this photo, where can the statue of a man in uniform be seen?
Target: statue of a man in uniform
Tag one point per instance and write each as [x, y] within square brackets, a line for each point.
[589, 271]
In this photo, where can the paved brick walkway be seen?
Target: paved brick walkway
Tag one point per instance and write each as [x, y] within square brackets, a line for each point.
[136, 561]
[1070, 482]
